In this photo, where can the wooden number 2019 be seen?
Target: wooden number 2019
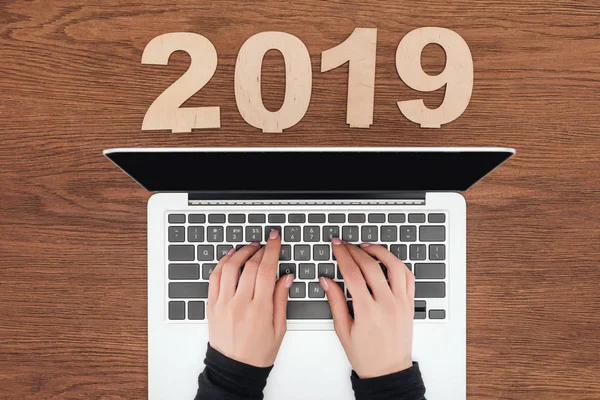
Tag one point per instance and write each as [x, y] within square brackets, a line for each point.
[359, 50]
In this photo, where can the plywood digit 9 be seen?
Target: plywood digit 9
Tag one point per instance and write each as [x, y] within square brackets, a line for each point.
[457, 75]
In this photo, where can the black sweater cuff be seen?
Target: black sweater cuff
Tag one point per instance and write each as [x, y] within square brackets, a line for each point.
[225, 378]
[402, 385]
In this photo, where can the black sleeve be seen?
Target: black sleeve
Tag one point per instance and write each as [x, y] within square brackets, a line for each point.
[227, 379]
[403, 385]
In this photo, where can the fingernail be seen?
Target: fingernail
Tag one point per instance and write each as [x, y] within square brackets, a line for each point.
[274, 233]
[231, 251]
[288, 280]
[255, 244]
[336, 241]
[323, 283]
[365, 244]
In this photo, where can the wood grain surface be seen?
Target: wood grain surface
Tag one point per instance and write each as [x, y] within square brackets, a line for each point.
[73, 227]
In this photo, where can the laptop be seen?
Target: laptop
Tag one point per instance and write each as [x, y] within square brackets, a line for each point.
[208, 200]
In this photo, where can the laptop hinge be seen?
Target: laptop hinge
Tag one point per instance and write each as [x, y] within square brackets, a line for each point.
[305, 198]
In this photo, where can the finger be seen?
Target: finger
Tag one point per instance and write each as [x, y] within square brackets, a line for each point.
[231, 269]
[350, 270]
[372, 272]
[410, 283]
[280, 299]
[267, 271]
[342, 321]
[245, 288]
[214, 281]
[395, 267]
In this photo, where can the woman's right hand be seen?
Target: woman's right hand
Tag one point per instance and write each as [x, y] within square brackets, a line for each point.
[378, 341]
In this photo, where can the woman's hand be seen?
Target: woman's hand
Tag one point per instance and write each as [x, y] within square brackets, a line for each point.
[247, 313]
[378, 341]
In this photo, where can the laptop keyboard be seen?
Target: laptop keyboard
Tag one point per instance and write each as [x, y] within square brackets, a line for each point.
[197, 241]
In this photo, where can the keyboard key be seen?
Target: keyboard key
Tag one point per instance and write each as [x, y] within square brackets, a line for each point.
[399, 250]
[197, 218]
[430, 271]
[216, 218]
[435, 233]
[316, 218]
[436, 219]
[206, 252]
[291, 234]
[222, 250]
[369, 233]
[188, 290]
[236, 218]
[321, 252]
[376, 218]
[269, 228]
[177, 218]
[302, 252]
[276, 218]
[416, 218]
[297, 218]
[196, 310]
[408, 233]
[176, 310]
[181, 252]
[327, 270]
[177, 234]
[306, 271]
[420, 305]
[409, 266]
[437, 314]
[389, 233]
[430, 290]
[350, 308]
[312, 234]
[420, 315]
[308, 310]
[330, 232]
[315, 291]
[418, 252]
[356, 218]
[254, 233]
[341, 285]
[298, 290]
[234, 234]
[287, 268]
[350, 233]
[339, 273]
[397, 218]
[336, 218]
[184, 271]
[256, 218]
[285, 252]
[196, 233]
[214, 233]
[437, 252]
[207, 269]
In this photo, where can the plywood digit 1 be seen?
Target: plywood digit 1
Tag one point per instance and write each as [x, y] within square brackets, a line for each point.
[359, 50]
[457, 75]
[164, 113]
[298, 85]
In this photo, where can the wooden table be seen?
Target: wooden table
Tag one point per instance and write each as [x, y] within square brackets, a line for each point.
[73, 227]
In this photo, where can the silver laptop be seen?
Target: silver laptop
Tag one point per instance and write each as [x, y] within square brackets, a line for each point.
[209, 200]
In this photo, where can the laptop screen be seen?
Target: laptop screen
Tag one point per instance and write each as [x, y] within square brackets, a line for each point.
[308, 170]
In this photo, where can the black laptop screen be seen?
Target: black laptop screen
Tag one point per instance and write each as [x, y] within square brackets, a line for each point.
[328, 170]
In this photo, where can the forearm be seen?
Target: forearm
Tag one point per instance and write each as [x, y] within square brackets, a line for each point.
[227, 379]
[403, 385]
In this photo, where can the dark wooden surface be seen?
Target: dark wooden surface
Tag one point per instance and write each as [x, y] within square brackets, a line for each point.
[73, 227]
